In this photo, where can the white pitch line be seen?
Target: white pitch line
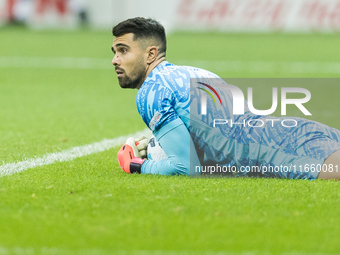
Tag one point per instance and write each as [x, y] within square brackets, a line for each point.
[56, 62]
[67, 155]
[294, 67]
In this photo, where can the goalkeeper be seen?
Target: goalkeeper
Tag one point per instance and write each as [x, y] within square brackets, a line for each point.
[163, 101]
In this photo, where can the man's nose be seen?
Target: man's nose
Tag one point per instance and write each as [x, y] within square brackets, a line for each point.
[115, 61]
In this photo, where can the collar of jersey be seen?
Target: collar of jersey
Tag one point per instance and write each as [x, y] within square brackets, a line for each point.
[157, 69]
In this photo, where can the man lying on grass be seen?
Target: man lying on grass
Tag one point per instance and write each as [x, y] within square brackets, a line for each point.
[164, 99]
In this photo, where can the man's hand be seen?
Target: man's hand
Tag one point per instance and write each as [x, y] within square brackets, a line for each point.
[129, 157]
[142, 144]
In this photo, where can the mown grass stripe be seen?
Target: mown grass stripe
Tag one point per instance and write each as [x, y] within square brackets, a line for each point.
[96, 251]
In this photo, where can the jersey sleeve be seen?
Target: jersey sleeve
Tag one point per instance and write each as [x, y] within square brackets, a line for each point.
[156, 105]
[178, 146]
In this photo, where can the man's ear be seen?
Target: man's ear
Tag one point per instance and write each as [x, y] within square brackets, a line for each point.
[152, 54]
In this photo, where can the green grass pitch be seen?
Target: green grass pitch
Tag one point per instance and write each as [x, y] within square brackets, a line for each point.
[58, 90]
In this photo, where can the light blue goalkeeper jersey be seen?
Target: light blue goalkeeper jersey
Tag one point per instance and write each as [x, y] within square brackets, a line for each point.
[194, 143]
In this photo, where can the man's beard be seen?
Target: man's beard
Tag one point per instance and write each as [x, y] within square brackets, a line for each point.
[135, 80]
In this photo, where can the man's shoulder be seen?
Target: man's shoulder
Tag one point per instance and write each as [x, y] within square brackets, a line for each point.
[167, 79]
[181, 71]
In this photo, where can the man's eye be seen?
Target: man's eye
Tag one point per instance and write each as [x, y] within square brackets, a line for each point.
[124, 50]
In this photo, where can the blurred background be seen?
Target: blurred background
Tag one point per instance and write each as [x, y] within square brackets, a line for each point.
[225, 15]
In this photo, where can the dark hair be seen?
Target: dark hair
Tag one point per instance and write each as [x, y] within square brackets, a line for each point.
[142, 28]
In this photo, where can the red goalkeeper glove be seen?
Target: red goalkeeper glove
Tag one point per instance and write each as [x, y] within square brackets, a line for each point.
[129, 157]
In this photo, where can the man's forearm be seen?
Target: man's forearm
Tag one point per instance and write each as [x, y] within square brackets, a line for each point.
[175, 142]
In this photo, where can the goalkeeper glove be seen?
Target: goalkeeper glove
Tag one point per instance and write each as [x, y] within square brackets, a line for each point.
[129, 157]
[142, 144]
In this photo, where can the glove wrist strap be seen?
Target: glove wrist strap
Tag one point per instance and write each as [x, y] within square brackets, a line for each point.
[136, 165]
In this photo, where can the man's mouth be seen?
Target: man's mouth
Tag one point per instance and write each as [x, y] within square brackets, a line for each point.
[120, 73]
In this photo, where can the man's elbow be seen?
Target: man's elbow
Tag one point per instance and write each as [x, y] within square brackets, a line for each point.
[181, 169]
